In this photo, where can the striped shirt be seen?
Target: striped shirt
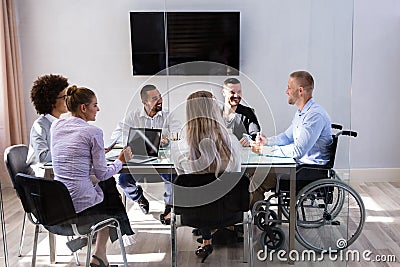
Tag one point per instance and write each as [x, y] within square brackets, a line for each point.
[78, 147]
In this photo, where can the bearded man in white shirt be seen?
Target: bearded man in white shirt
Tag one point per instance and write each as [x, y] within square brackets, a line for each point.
[150, 115]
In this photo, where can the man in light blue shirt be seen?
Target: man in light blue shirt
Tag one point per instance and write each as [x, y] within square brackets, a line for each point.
[308, 138]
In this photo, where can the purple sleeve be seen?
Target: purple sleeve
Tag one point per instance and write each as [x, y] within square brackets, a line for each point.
[100, 167]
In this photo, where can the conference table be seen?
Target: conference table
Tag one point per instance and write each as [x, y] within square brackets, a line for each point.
[257, 165]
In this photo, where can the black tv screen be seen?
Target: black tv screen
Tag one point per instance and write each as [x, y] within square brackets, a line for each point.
[166, 39]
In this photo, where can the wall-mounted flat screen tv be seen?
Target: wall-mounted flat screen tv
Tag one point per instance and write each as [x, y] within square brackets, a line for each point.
[167, 39]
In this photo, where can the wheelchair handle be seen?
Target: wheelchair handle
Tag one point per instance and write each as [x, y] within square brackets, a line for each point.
[349, 133]
[336, 126]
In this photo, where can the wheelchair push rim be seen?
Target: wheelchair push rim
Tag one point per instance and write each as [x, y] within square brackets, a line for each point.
[321, 227]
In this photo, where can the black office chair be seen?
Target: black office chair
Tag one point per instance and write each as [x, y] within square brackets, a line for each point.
[48, 203]
[204, 201]
[15, 161]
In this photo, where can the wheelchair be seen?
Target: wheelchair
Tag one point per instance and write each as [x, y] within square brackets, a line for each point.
[330, 215]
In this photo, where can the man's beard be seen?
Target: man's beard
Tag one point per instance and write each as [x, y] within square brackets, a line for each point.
[234, 101]
[157, 108]
[291, 101]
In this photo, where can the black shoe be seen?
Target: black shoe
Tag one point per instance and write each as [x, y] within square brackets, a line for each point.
[222, 237]
[167, 211]
[204, 252]
[76, 244]
[163, 220]
[144, 204]
[101, 263]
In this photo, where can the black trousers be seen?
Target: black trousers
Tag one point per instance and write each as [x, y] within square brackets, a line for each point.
[111, 206]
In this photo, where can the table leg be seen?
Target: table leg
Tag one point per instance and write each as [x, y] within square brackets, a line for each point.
[52, 244]
[52, 238]
[292, 211]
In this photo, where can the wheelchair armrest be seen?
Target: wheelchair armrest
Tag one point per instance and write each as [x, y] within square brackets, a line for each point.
[305, 173]
[312, 167]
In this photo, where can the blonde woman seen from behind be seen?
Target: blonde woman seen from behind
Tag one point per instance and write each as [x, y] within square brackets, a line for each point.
[208, 148]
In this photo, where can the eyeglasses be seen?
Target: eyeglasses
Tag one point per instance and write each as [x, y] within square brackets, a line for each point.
[63, 97]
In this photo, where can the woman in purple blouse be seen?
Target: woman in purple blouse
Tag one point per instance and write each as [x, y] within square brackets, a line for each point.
[77, 148]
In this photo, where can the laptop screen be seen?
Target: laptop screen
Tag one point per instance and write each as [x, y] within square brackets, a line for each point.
[144, 141]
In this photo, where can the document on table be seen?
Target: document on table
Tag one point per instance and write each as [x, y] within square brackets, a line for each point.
[274, 151]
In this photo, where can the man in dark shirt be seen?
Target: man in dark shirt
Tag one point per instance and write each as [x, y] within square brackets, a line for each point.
[239, 118]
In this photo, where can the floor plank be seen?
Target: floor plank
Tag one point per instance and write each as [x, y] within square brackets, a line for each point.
[381, 236]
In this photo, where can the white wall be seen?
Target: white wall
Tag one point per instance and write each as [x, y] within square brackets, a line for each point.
[376, 84]
[89, 42]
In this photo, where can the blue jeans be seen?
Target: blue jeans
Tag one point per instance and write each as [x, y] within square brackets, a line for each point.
[128, 183]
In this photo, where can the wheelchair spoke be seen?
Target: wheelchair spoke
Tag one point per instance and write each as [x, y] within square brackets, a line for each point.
[332, 216]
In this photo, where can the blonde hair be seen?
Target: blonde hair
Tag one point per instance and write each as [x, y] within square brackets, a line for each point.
[77, 96]
[207, 136]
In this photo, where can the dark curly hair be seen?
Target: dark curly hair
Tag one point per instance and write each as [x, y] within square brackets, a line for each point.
[45, 90]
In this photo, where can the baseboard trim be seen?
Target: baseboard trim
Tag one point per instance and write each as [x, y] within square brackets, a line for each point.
[370, 174]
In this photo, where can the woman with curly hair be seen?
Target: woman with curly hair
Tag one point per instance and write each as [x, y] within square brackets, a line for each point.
[48, 96]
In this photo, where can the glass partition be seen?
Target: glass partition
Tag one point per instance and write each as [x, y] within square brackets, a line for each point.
[258, 42]
[277, 38]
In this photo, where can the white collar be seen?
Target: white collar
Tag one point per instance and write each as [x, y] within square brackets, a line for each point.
[143, 113]
[50, 117]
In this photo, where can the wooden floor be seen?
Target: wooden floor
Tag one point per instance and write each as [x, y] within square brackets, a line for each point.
[381, 235]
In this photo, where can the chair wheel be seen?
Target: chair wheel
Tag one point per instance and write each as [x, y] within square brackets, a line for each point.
[273, 239]
[261, 221]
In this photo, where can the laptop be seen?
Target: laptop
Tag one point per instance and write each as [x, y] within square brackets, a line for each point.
[144, 143]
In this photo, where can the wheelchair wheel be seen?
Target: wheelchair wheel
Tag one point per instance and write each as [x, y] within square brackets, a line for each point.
[261, 220]
[284, 197]
[330, 215]
[274, 240]
[331, 200]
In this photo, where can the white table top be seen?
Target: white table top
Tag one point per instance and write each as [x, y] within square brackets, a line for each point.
[269, 156]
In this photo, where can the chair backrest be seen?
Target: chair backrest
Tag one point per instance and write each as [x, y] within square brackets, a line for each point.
[332, 151]
[313, 171]
[15, 161]
[334, 144]
[48, 200]
[213, 202]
